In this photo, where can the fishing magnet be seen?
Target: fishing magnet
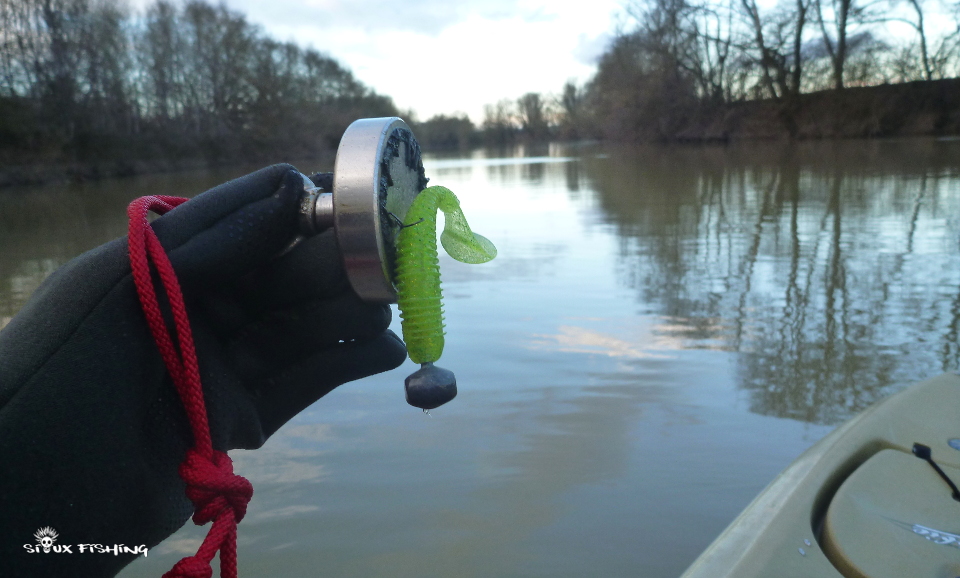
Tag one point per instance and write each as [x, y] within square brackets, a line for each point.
[377, 181]
[377, 174]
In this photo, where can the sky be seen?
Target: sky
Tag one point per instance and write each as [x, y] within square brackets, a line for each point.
[446, 56]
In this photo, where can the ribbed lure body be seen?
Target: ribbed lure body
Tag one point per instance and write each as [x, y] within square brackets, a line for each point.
[417, 274]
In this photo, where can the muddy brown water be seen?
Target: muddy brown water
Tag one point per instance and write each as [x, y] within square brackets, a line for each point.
[663, 331]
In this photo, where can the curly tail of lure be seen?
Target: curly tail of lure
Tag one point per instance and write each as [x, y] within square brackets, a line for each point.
[418, 288]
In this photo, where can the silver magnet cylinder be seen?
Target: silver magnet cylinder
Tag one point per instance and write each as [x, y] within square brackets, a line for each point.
[377, 174]
[316, 208]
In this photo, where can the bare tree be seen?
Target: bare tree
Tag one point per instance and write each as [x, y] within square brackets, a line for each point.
[499, 122]
[22, 47]
[836, 18]
[697, 37]
[572, 111]
[161, 53]
[712, 41]
[937, 54]
[777, 45]
[532, 113]
[79, 79]
[105, 70]
[922, 33]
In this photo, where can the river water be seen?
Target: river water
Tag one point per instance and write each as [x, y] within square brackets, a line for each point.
[662, 332]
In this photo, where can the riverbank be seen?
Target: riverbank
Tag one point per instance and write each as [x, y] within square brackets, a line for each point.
[52, 173]
[45, 173]
[889, 110]
[913, 109]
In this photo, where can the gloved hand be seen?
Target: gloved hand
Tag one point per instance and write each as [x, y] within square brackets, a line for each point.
[91, 428]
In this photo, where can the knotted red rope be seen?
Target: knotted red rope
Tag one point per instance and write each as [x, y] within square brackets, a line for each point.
[217, 493]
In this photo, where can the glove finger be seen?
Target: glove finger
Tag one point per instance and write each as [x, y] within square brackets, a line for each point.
[288, 394]
[232, 229]
[284, 337]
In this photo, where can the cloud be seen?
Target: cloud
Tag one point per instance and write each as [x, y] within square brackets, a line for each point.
[589, 48]
[373, 16]
[441, 56]
[572, 339]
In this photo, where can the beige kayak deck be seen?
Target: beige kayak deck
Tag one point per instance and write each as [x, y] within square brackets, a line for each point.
[859, 503]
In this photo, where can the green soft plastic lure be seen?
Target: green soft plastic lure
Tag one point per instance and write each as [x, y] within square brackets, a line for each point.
[418, 287]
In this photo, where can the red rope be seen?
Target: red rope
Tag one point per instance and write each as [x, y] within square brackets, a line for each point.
[218, 494]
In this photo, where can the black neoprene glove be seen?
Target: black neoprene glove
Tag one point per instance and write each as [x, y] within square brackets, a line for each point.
[91, 428]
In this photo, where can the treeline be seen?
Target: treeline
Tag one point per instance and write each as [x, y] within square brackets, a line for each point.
[84, 81]
[532, 117]
[687, 62]
[87, 81]
[703, 69]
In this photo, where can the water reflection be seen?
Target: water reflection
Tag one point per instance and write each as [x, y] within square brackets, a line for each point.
[833, 273]
[43, 227]
[572, 174]
[830, 269]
